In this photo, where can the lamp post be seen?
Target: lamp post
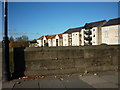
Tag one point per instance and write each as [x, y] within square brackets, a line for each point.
[6, 68]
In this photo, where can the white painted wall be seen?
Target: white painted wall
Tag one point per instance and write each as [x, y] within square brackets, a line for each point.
[65, 39]
[45, 40]
[49, 42]
[82, 37]
[57, 37]
[54, 42]
[111, 34]
[39, 43]
[75, 39]
[94, 36]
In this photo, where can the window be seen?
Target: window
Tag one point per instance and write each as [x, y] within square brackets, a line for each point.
[118, 41]
[119, 27]
[93, 35]
[116, 27]
[94, 42]
[106, 28]
[93, 29]
[106, 34]
[106, 41]
[118, 33]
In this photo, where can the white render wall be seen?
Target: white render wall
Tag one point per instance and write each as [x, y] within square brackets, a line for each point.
[49, 42]
[54, 40]
[39, 43]
[65, 39]
[111, 34]
[45, 40]
[75, 39]
[94, 36]
[82, 37]
[57, 37]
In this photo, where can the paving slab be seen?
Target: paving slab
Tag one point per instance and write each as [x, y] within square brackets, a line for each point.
[93, 79]
[105, 85]
[9, 85]
[75, 82]
[50, 83]
[27, 84]
[98, 82]
[110, 78]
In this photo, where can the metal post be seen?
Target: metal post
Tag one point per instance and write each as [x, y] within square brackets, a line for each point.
[6, 67]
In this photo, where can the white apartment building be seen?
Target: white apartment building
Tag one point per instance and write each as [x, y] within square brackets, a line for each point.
[50, 40]
[57, 40]
[40, 41]
[65, 39]
[91, 33]
[72, 37]
[111, 32]
[94, 33]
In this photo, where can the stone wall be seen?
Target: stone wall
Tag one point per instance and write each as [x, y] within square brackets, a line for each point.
[64, 60]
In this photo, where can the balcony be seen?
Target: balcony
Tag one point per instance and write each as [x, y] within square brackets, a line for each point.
[87, 29]
[87, 32]
[88, 38]
[87, 43]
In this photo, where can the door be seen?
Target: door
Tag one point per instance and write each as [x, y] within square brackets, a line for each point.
[56, 42]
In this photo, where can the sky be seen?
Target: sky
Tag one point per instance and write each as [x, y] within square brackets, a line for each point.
[35, 19]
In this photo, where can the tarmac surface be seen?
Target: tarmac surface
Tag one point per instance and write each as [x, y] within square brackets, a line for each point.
[89, 80]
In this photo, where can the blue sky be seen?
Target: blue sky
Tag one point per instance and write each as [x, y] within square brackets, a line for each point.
[35, 19]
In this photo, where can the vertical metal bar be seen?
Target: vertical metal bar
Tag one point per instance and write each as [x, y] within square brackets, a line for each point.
[6, 67]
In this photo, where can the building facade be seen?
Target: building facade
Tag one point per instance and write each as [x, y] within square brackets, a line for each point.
[92, 34]
[57, 40]
[111, 32]
[72, 37]
[50, 40]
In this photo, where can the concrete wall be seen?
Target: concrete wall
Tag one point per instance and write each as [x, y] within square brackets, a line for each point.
[65, 60]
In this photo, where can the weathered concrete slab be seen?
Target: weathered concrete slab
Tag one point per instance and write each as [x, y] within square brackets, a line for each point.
[105, 85]
[8, 85]
[27, 84]
[50, 83]
[75, 82]
[98, 82]
[110, 78]
[92, 79]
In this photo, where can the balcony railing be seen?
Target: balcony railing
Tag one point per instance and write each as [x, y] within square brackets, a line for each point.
[88, 38]
[89, 43]
[87, 32]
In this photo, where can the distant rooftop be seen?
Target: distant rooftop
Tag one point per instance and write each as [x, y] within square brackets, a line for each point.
[94, 24]
[71, 30]
[115, 21]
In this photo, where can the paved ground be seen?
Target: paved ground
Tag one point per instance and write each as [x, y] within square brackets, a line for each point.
[102, 80]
